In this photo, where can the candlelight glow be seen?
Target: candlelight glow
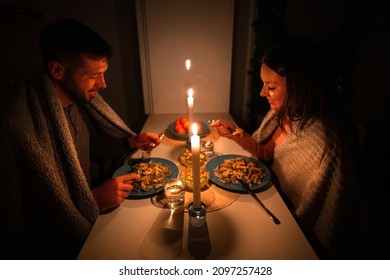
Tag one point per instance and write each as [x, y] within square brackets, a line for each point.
[190, 92]
[188, 64]
[194, 129]
[195, 149]
[190, 103]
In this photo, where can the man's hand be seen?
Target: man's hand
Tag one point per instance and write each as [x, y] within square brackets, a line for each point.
[114, 191]
[146, 141]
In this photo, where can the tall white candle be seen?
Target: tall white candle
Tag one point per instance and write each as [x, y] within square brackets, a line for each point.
[195, 149]
[190, 103]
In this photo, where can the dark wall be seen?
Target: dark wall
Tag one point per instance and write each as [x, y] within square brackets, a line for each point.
[22, 21]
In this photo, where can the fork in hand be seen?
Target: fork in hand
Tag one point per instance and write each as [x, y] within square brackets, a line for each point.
[147, 154]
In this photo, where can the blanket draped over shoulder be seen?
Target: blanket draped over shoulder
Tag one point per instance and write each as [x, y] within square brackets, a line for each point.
[321, 192]
[47, 209]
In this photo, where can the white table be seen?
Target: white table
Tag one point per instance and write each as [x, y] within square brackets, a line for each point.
[137, 229]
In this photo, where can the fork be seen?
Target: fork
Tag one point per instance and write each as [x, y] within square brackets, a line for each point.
[147, 154]
[252, 193]
[210, 122]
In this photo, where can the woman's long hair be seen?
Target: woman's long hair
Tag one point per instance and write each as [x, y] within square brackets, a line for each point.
[311, 95]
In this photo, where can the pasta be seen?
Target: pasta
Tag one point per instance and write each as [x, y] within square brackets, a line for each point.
[186, 176]
[186, 158]
[152, 175]
[238, 168]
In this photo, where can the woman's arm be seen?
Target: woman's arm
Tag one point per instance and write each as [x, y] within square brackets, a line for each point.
[263, 151]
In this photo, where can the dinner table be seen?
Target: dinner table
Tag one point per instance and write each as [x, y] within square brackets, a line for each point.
[236, 227]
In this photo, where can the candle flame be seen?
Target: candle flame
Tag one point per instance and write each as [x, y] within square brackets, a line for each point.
[188, 64]
[194, 129]
[190, 92]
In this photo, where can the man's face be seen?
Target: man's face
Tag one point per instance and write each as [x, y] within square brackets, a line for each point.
[83, 83]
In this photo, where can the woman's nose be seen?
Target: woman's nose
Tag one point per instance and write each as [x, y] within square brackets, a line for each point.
[263, 91]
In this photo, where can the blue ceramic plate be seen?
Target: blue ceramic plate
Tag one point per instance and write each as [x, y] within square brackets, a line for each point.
[205, 131]
[214, 162]
[126, 168]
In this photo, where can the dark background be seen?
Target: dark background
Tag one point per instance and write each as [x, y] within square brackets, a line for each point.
[355, 31]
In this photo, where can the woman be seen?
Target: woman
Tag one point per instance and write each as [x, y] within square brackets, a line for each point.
[306, 142]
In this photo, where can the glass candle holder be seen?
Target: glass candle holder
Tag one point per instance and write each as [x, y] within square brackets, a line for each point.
[197, 217]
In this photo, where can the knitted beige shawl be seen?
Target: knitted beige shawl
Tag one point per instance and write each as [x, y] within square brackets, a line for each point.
[319, 193]
[46, 204]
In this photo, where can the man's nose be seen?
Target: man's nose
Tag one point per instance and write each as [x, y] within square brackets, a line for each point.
[100, 82]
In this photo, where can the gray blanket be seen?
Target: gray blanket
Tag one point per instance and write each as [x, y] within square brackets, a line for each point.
[47, 208]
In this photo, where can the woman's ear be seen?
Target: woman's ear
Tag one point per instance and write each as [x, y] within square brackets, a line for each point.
[56, 70]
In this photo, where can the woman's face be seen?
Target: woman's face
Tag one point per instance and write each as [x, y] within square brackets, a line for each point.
[274, 87]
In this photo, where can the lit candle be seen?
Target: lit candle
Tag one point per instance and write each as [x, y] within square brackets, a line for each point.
[195, 149]
[190, 102]
[188, 67]
[188, 64]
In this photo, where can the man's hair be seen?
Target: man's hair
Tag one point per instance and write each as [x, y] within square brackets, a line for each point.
[67, 39]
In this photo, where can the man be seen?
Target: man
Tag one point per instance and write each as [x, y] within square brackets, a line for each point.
[60, 144]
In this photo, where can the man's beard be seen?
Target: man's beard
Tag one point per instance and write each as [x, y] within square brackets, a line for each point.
[74, 92]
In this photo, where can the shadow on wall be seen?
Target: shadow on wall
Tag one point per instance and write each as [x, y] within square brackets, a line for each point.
[18, 53]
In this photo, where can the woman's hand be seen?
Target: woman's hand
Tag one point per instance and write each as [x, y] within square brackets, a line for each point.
[224, 129]
[114, 191]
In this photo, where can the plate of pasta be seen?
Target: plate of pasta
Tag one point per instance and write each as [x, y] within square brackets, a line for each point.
[227, 169]
[153, 172]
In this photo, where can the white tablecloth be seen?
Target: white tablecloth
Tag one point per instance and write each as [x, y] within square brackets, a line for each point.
[137, 229]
